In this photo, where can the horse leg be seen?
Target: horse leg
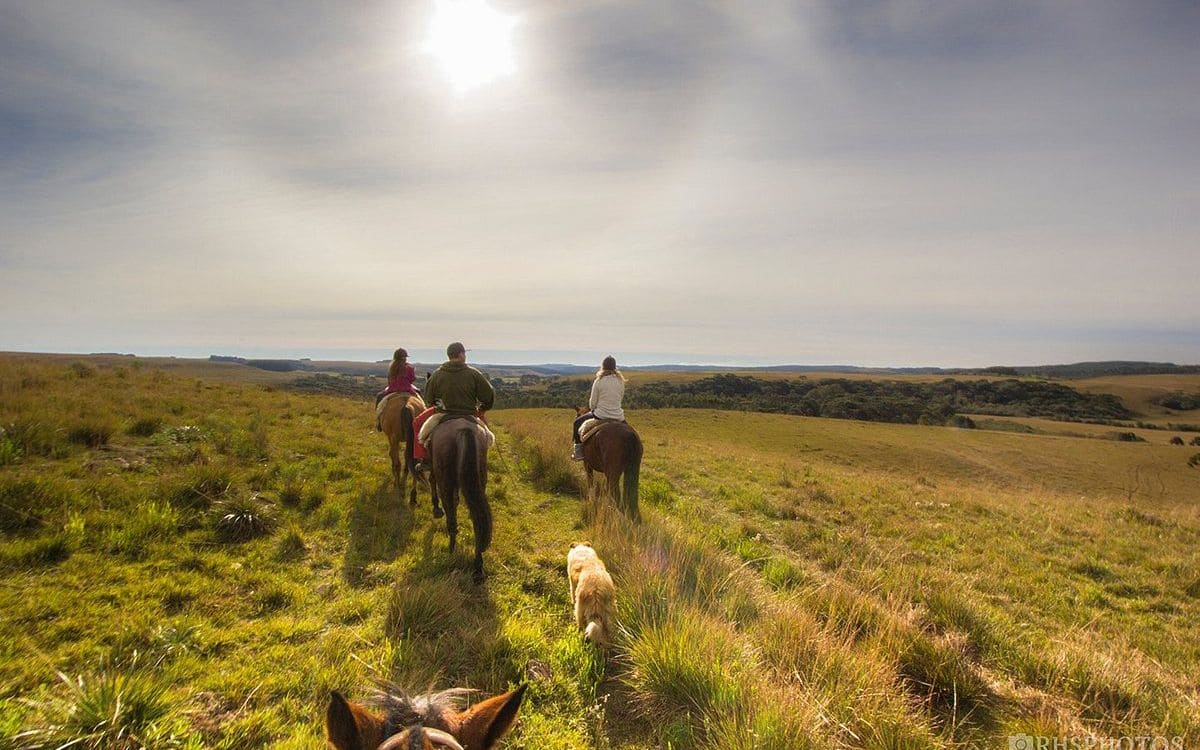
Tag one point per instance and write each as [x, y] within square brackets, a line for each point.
[613, 480]
[397, 465]
[452, 517]
[434, 496]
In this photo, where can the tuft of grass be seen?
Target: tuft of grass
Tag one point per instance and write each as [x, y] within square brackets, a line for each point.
[150, 522]
[37, 437]
[145, 426]
[10, 452]
[91, 433]
[200, 487]
[26, 503]
[291, 545]
[39, 551]
[424, 609]
[240, 519]
[116, 710]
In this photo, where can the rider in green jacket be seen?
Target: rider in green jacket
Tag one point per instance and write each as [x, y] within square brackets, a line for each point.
[458, 388]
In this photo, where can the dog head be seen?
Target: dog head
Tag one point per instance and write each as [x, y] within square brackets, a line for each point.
[596, 634]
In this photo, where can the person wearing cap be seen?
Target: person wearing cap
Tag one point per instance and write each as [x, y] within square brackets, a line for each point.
[455, 388]
[401, 378]
[608, 391]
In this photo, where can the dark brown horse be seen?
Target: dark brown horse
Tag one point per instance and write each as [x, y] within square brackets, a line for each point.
[614, 449]
[397, 422]
[459, 462]
[428, 722]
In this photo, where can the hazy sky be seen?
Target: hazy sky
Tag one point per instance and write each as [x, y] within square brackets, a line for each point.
[954, 183]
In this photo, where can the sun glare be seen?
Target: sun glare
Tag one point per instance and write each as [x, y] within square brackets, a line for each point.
[471, 41]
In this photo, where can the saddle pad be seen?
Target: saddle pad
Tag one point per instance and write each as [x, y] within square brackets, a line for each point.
[432, 423]
[592, 426]
[383, 401]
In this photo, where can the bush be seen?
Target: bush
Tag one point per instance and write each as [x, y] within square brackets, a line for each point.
[961, 421]
[241, 519]
[1127, 437]
[1194, 460]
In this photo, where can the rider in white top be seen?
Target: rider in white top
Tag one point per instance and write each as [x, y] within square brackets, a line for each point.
[605, 402]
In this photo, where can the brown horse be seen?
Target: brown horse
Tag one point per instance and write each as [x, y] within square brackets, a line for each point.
[459, 462]
[397, 422]
[428, 722]
[614, 449]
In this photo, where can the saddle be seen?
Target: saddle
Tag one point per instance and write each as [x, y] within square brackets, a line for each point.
[593, 425]
[384, 401]
[440, 418]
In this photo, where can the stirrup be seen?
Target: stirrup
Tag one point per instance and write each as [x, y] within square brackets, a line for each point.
[577, 452]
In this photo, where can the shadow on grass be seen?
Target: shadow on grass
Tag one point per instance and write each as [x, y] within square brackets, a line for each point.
[381, 526]
[446, 629]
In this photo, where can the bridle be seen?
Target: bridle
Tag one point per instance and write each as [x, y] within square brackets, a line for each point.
[415, 733]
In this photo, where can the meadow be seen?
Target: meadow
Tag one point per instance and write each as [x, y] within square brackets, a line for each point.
[190, 560]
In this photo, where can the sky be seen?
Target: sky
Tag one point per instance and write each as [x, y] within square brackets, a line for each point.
[872, 183]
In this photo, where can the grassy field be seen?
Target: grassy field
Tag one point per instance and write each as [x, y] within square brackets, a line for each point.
[196, 562]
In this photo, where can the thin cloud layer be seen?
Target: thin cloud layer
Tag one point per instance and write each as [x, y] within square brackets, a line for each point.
[872, 183]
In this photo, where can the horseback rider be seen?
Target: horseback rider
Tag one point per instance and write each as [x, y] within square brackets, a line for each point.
[454, 389]
[608, 390]
[401, 378]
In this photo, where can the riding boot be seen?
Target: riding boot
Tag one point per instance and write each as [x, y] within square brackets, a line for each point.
[577, 452]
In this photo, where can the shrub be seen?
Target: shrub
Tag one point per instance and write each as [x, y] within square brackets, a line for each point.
[241, 519]
[1195, 441]
[1194, 460]
[961, 421]
[1127, 437]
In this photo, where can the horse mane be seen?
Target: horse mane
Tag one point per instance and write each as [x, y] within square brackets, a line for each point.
[431, 709]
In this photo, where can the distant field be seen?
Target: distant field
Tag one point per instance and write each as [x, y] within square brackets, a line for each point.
[1139, 391]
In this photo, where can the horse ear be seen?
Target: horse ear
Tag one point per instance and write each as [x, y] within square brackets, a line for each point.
[340, 725]
[486, 722]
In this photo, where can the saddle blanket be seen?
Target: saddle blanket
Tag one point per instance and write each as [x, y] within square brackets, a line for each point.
[436, 419]
[589, 427]
[383, 402]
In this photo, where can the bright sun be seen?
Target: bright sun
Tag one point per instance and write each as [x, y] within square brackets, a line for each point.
[472, 42]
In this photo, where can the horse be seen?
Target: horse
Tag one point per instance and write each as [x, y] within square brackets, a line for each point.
[397, 420]
[429, 722]
[614, 449]
[459, 462]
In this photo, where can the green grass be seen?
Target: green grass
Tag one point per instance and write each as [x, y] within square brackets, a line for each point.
[795, 583]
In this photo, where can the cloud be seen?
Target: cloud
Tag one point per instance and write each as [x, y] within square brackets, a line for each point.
[907, 182]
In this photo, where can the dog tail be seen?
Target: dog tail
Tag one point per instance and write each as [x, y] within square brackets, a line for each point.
[594, 633]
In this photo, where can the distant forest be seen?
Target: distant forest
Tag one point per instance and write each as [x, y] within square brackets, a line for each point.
[871, 400]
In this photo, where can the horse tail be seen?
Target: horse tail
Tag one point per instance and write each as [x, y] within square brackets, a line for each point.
[471, 483]
[633, 467]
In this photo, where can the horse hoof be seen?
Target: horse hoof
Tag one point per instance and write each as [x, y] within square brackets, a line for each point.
[438, 512]
[478, 576]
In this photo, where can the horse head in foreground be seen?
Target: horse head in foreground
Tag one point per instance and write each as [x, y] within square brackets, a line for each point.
[615, 450]
[433, 721]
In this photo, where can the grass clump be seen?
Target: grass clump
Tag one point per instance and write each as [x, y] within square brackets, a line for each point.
[92, 433]
[36, 437]
[145, 426]
[240, 519]
[423, 609]
[26, 503]
[115, 710]
[200, 487]
[150, 522]
[39, 551]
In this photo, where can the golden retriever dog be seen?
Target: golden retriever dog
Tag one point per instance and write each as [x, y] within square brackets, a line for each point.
[592, 594]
